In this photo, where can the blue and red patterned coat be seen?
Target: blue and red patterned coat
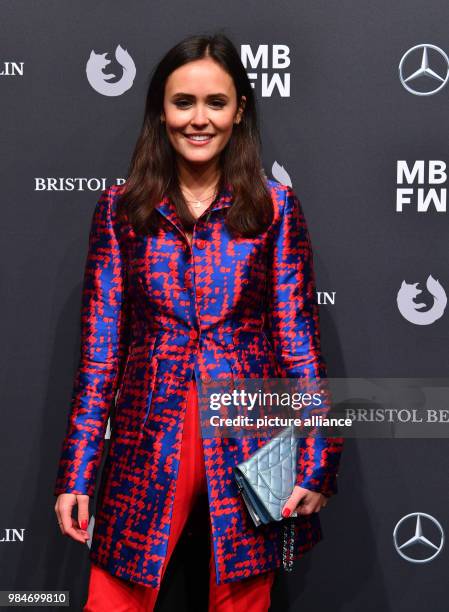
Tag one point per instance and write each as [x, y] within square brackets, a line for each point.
[155, 309]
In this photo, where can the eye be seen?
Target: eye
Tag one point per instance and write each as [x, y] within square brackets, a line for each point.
[184, 103]
[181, 103]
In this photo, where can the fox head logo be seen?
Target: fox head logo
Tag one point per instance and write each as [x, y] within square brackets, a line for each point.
[409, 308]
[280, 174]
[99, 80]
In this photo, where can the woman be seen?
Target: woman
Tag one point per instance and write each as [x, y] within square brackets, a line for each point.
[198, 268]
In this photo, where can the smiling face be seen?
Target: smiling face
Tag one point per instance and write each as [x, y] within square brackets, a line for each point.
[200, 100]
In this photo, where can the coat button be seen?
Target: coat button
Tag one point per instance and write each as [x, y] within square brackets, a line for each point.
[193, 334]
[206, 378]
[201, 244]
[199, 291]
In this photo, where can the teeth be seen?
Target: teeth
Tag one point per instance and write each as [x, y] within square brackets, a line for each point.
[200, 137]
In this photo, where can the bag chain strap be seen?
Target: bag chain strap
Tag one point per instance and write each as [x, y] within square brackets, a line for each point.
[288, 545]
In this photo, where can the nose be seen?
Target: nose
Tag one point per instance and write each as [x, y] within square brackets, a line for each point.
[200, 116]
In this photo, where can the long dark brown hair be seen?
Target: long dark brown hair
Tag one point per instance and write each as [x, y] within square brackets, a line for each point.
[152, 172]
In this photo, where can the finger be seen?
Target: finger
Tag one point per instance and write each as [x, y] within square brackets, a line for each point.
[58, 517]
[292, 503]
[76, 534]
[305, 509]
[83, 511]
[64, 504]
[65, 508]
[65, 514]
[85, 534]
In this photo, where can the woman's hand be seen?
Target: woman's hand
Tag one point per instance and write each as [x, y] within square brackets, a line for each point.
[68, 525]
[304, 501]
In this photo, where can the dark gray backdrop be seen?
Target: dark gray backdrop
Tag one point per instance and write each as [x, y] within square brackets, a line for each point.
[339, 135]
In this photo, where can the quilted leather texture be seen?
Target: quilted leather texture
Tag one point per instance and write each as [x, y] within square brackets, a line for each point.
[271, 471]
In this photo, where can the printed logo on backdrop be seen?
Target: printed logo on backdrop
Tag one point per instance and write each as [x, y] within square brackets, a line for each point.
[424, 70]
[267, 66]
[12, 535]
[418, 537]
[51, 183]
[414, 311]
[101, 81]
[422, 196]
[11, 69]
[280, 174]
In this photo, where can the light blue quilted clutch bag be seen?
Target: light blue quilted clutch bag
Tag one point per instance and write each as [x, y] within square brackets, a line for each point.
[266, 481]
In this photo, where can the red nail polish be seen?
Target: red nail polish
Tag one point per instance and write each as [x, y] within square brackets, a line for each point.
[286, 512]
[84, 525]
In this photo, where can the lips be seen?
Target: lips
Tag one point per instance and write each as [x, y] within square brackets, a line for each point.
[199, 141]
[203, 136]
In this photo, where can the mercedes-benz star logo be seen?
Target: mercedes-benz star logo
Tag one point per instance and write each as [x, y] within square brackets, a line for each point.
[419, 540]
[424, 73]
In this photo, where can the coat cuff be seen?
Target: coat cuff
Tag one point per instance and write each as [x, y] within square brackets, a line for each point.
[320, 481]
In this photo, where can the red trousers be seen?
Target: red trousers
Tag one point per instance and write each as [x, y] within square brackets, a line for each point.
[108, 593]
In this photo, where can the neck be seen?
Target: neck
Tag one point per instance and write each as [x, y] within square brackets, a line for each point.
[198, 178]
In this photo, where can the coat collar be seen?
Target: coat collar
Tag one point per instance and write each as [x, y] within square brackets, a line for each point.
[167, 208]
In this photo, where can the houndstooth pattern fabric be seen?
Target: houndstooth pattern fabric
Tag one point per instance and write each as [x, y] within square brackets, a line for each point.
[156, 310]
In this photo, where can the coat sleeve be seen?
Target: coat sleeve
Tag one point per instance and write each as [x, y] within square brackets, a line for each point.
[292, 324]
[103, 348]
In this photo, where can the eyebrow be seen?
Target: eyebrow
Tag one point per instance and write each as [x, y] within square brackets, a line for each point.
[187, 95]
